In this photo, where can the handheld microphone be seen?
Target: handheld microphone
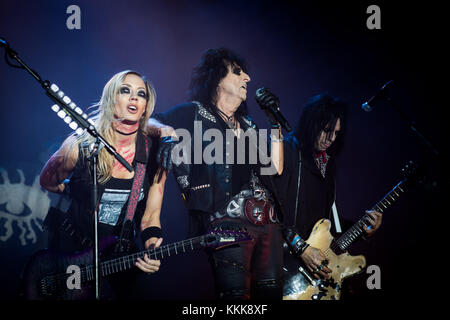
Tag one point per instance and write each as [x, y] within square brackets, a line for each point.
[272, 107]
[369, 104]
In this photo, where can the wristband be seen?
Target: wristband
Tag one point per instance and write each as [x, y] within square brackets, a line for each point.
[151, 232]
[303, 247]
[299, 245]
[296, 244]
[296, 238]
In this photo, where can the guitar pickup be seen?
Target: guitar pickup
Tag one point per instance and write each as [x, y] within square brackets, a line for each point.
[229, 239]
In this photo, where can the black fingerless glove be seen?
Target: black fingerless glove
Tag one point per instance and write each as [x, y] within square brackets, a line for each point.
[268, 100]
[163, 155]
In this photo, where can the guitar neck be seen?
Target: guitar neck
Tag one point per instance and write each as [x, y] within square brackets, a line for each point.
[127, 262]
[344, 241]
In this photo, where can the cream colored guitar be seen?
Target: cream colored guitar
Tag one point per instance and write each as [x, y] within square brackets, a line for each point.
[299, 282]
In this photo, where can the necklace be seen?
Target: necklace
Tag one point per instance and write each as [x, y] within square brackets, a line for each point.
[322, 160]
[229, 120]
[127, 134]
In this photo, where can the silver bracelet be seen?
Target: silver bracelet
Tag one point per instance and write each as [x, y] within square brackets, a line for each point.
[276, 139]
[277, 133]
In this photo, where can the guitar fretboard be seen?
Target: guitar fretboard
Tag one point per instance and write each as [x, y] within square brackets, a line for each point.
[344, 241]
[127, 262]
[55, 284]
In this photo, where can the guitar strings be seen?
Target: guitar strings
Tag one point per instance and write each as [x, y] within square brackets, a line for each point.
[357, 227]
[55, 281]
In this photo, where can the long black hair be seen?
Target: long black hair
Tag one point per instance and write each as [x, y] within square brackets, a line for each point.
[321, 114]
[206, 76]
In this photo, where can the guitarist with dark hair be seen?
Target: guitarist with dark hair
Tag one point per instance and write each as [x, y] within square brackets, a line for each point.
[306, 189]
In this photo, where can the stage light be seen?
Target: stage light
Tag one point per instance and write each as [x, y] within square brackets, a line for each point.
[61, 114]
[67, 100]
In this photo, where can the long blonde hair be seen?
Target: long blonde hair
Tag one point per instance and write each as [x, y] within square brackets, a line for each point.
[103, 117]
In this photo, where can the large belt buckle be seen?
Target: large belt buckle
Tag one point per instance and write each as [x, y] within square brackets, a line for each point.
[258, 210]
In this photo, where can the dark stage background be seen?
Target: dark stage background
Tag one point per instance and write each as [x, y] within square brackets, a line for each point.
[297, 49]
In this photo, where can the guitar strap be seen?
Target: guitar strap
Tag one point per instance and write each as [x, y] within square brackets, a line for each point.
[298, 185]
[138, 181]
[337, 224]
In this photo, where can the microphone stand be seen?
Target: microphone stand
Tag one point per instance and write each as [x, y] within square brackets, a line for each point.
[58, 97]
[440, 157]
[94, 159]
[412, 126]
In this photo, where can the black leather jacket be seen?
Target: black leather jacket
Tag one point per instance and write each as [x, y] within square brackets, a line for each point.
[205, 188]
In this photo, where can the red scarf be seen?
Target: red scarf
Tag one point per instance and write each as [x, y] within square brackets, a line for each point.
[321, 155]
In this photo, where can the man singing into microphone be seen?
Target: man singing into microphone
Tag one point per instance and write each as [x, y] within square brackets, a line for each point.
[229, 193]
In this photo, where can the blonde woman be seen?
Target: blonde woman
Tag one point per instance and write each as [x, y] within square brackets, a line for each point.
[126, 104]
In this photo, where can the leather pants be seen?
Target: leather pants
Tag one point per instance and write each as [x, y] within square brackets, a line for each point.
[251, 269]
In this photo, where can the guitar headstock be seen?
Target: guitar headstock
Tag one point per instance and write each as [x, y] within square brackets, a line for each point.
[412, 173]
[220, 237]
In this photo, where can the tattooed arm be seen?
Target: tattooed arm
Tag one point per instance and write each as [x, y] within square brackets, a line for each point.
[59, 166]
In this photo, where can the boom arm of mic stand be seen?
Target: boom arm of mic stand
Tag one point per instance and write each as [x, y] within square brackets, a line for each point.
[413, 127]
[75, 116]
[82, 122]
[91, 129]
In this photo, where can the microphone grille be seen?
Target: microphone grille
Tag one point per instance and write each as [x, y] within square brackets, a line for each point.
[366, 107]
[260, 92]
